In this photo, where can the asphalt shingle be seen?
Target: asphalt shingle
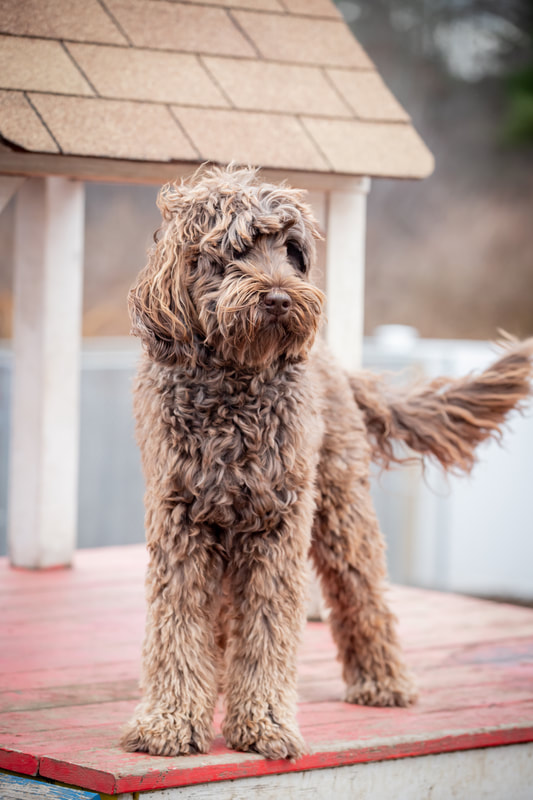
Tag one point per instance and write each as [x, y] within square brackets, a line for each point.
[251, 138]
[116, 129]
[277, 87]
[180, 26]
[302, 40]
[83, 21]
[367, 95]
[372, 148]
[21, 125]
[136, 74]
[22, 61]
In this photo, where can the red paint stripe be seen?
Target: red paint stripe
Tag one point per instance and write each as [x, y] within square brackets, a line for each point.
[16, 761]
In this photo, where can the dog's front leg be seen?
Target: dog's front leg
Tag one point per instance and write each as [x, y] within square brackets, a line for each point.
[268, 587]
[179, 678]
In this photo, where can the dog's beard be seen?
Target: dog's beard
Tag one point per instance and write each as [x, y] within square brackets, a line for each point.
[241, 330]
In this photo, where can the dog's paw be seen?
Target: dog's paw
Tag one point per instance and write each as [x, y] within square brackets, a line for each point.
[367, 691]
[161, 733]
[265, 736]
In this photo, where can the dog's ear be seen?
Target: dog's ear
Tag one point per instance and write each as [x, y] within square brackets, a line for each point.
[160, 306]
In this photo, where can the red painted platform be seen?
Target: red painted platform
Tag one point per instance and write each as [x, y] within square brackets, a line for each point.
[69, 662]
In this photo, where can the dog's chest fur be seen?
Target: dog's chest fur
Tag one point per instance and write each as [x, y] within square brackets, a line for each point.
[243, 448]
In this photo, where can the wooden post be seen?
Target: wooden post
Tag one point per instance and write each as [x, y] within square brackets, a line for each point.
[345, 273]
[49, 226]
[342, 215]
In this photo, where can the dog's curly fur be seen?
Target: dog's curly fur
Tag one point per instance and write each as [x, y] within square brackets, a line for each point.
[256, 449]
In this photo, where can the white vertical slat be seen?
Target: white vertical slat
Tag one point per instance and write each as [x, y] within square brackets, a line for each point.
[345, 273]
[49, 230]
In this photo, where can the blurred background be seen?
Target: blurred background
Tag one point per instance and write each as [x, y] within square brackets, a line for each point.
[455, 251]
[449, 262]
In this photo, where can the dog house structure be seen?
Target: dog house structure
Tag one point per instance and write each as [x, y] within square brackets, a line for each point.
[143, 91]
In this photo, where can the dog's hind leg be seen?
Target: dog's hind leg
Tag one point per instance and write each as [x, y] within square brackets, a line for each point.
[349, 555]
[268, 574]
[179, 672]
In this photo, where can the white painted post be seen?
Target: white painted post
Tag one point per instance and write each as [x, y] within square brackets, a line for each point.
[49, 229]
[345, 273]
[343, 216]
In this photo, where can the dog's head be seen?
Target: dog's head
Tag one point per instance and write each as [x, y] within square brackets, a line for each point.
[229, 273]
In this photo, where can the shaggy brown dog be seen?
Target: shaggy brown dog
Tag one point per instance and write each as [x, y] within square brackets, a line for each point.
[256, 451]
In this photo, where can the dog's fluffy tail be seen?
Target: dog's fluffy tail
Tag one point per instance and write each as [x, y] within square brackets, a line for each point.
[446, 418]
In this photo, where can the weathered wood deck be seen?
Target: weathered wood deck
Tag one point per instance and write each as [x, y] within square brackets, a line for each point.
[69, 662]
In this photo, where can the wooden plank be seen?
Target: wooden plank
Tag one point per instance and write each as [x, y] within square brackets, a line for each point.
[60, 658]
[18, 761]
[339, 719]
[76, 694]
[394, 726]
[57, 718]
[318, 678]
[53, 652]
[49, 582]
[100, 736]
[438, 685]
[91, 567]
[68, 605]
[15, 788]
[30, 637]
[90, 728]
[116, 170]
[65, 676]
[145, 772]
[491, 774]
[53, 600]
[37, 633]
[381, 733]
[55, 591]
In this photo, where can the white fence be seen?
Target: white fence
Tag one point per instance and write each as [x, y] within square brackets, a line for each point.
[110, 480]
[469, 534]
[472, 534]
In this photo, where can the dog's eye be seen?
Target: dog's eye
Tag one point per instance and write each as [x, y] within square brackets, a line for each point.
[236, 255]
[295, 255]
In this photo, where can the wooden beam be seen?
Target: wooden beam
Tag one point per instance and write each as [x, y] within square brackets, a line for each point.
[13, 787]
[149, 172]
[345, 273]
[49, 224]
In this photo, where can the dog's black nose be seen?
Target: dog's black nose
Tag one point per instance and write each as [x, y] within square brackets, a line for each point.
[277, 302]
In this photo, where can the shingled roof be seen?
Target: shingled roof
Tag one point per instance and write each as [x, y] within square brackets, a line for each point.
[277, 83]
